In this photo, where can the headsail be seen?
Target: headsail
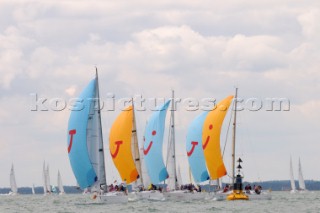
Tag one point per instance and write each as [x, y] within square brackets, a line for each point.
[47, 176]
[293, 185]
[302, 185]
[194, 149]
[211, 139]
[13, 183]
[152, 147]
[44, 177]
[60, 185]
[32, 189]
[120, 146]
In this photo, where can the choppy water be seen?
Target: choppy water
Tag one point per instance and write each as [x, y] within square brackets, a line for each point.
[281, 202]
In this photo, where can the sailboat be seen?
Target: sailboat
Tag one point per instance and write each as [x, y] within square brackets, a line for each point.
[46, 180]
[60, 185]
[174, 191]
[211, 129]
[85, 145]
[237, 193]
[302, 186]
[13, 184]
[47, 172]
[292, 182]
[32, 189]
[124, 150]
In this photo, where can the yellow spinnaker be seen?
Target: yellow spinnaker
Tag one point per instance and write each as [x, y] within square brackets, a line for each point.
[120, 146]
[211, 139]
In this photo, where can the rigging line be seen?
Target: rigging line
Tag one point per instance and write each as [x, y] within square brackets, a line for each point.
[170, 142]
[227, 133]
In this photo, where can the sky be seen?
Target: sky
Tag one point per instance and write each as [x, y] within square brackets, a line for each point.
[199, 49]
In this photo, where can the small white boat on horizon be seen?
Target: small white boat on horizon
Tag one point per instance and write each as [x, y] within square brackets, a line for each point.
[13, 183]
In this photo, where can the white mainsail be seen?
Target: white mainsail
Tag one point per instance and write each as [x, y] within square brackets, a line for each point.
[13, 183]
[47, 173]
[144, 171]
[60, 185]
[293, 185]
[135, 151]
[172, 183]
[32, 189]
[44, 178]
[94, 138]
[302, 185]
[179, 177]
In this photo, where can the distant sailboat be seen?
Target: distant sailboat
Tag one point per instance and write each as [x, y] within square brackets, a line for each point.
[32, 189]
[302, 186]
[60, 185]
[293, 184]
[85, 145]
[46, 180]
[13, 184]
[49, 188]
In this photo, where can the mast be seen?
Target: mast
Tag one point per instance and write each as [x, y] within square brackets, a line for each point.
[101, 172]
[302, 185]
[293, 185]
[173, 138]
[135, 148]
[171, 152]
[234, 136]
[13, 183]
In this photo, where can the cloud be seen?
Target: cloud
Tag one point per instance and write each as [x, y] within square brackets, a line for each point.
[267, 49]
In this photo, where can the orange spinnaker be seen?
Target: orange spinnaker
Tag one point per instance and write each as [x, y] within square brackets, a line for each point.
[120, 146]
[211, 139]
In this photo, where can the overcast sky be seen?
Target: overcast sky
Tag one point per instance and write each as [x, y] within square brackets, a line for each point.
[201, 49]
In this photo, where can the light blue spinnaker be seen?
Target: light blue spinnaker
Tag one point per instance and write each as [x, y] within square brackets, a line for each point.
[77, 138]
[152, 147]
[194, 149]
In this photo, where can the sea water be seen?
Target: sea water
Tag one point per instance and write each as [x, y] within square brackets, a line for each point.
[280, 202]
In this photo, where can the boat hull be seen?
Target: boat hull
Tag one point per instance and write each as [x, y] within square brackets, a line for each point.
[181, 195]
[113, 198]
[152, 195]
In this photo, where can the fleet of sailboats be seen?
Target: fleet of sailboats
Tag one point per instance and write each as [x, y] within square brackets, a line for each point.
[85, 142]
[144, 168]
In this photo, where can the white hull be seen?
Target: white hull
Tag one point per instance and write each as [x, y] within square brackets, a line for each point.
[217, 196]
[12, 193]
[264, 195]
[153, 195]
[184, 195]
[113, 198]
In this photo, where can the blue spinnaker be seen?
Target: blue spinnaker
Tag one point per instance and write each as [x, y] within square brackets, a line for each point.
[152, 147]
[194, 149]
[77, 138]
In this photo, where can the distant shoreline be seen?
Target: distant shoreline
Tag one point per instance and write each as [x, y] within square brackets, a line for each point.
[275, 185]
